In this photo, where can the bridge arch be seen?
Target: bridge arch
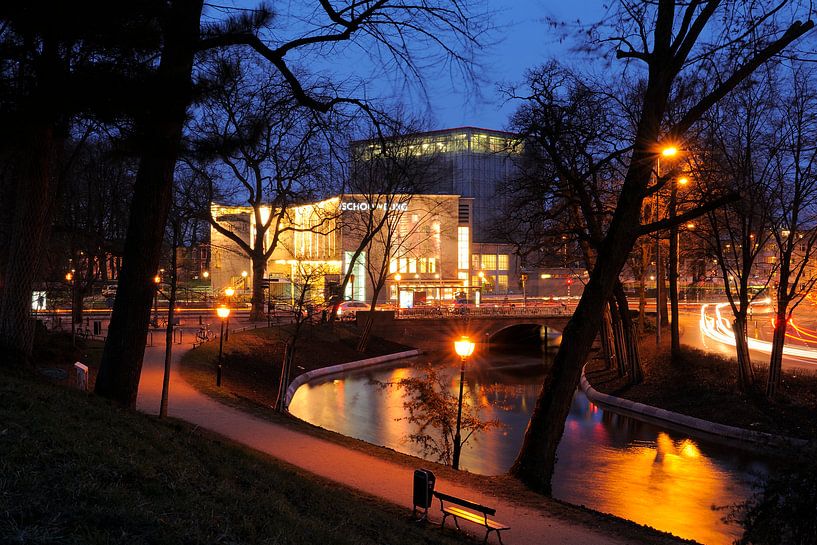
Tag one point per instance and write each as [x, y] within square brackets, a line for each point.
[523, 334]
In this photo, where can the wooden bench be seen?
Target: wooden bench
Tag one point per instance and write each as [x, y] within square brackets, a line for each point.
[477, 515]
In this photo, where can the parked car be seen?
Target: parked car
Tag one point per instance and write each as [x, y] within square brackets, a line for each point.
[348, 310]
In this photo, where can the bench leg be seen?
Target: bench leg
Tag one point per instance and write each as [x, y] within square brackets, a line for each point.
[442, 524]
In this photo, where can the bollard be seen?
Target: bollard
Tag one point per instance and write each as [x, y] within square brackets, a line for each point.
[81, 376]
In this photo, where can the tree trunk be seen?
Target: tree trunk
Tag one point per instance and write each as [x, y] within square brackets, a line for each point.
[259, 270]
[34, 193]
[675, 332]
[607, 343]
[121, 364]
[366, 332]
[781, 323]
[630, 336]
[618, 338]
[746, 374]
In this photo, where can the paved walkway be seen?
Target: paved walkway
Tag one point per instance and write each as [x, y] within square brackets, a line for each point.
[369, 474]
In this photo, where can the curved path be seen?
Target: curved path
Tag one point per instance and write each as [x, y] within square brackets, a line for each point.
[369, 474]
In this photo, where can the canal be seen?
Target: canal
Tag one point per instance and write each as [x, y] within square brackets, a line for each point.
[608, 462]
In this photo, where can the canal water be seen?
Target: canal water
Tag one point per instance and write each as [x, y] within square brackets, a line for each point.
[607, 461]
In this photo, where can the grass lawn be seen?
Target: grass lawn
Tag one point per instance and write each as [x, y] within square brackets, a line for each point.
[704, 385]
[75, 469]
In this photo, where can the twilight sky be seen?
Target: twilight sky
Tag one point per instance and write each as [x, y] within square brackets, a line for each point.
[522, 39]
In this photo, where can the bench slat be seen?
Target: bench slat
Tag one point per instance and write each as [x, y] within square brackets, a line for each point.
[475, 518]
[465, 503]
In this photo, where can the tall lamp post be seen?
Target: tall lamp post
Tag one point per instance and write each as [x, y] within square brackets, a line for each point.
[229, 292]
[397, 279]
[668, 151]
[674, 235]
[464, 348]
[224, 314]
[156, 281]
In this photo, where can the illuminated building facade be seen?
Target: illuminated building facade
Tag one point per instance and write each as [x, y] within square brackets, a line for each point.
[424, 248]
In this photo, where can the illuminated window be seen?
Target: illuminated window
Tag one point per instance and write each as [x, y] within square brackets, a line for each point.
[502, 282]
[423, 265]
[502, 264]
[403, 265]
[462, 248]
[488, 262]
[432, 264]
[412, 265]
[462, 276]
[475, 261]
[392, 266]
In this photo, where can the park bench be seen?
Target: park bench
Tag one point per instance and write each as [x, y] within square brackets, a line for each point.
[478, 514]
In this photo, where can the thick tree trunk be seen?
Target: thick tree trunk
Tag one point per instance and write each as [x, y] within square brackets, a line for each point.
[606, 337]
[778, 342]
[34, 193]
[746, 374]
[121, 364]
[259, 270]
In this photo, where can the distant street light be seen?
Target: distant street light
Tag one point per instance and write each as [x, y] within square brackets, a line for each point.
[69, 277]
[224, 314]
[464, 348]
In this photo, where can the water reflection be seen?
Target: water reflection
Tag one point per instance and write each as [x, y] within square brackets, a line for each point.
[609, 462]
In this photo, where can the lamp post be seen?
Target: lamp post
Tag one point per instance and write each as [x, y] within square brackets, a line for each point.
[481, 276]
[244, 275]
[229, 292]
[464, 348]
[156, 281]
[397, 279]
[69, 277]
[668, 151]
[674, 235]
[224, 314]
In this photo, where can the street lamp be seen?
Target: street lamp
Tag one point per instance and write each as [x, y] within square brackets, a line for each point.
[69, 277]
[224, 314]
[674, 269]
[244, 275]
[464, 348]
[229, 292]
[397, 279]
[156, 280]
[667, 151]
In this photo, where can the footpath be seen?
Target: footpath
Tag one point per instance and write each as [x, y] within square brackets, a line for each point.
[358, 470]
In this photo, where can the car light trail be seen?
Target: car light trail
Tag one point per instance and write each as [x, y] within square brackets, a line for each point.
[719, 328]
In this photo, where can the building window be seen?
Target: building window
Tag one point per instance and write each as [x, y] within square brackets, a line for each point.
[502, 283]
[462, 248]
[488, 262]
[412, 265]
[475, 262]
[432, 264]
[502, 263]
[392, 266]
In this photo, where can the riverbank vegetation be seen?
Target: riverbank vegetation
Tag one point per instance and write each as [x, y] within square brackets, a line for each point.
[705, 385]
[79, 470]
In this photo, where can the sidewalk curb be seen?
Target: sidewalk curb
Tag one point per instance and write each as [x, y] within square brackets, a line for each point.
[688, 422]
[300, 380]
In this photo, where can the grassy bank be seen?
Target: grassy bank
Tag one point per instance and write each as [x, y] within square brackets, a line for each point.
[704, 385]
[77, 470]
[252, 359]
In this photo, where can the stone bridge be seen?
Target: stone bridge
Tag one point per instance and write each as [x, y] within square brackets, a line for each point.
[438, 333]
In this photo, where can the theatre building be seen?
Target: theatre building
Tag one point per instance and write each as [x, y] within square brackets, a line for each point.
[423, 249]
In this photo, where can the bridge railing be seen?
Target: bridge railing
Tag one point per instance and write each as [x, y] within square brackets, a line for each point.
[493, 311]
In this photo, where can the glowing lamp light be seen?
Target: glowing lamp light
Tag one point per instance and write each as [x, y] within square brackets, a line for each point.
[691, 226]
[464, 347]
[206, 274]
[683, 181]
[223, 312]
[397, 277]
[669, 151]
[157, 279]
[69, 276]
[229, 292]
[244, 274]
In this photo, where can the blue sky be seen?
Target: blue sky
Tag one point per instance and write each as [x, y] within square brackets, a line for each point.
[522, 39]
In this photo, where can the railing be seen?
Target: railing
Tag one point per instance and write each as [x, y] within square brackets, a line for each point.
[492, 311]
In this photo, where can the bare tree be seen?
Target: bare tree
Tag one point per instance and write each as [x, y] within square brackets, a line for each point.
[666, 38]
[271, 153]
[794, 206]
[393, 30]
